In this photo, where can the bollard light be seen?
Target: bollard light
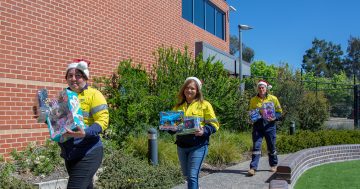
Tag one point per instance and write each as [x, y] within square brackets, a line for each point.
[292, 127]
[152, 146]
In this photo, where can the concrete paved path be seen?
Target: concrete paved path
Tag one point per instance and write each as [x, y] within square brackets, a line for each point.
[235, 177]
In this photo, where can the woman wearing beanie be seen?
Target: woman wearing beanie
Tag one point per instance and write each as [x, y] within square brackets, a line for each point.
[83, 153]
[265, 126]
[192, 148]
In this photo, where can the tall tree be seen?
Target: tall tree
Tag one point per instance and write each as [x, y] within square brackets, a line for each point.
[323, 59]
[247, 52]
[352, 61]
[234, 44]
[261, 69]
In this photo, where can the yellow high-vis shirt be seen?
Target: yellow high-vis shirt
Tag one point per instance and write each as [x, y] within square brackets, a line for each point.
[257, 102]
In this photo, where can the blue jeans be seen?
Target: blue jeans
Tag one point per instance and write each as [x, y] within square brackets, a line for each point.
[190, 162]
[259, 132]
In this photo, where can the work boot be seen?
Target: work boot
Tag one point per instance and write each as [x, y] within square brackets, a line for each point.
[273, 169]
[251, 172]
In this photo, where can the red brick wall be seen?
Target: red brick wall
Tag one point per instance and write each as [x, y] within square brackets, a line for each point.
[39, 38]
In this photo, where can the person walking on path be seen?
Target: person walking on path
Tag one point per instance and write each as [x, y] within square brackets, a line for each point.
[83, 152]
[192, 148]
[264, 126]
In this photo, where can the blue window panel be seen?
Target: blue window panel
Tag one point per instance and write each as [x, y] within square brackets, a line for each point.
[187, 10]
[219, 24]
[210, 18]
[199, 13]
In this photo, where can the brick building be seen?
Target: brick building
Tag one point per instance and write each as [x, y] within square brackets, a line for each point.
[39, 38]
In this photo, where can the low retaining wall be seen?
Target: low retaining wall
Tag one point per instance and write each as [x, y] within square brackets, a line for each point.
[295, 164]
[53, 184]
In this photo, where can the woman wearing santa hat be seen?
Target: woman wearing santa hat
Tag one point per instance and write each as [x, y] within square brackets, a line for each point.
[264, 127]
[83, 153]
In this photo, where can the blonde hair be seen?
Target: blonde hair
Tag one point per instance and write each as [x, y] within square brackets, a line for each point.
[181, 96]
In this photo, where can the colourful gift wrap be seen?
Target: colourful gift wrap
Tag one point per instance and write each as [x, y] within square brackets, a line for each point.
[42, 106]
[61, 113]
[254, 115]
[268, 110]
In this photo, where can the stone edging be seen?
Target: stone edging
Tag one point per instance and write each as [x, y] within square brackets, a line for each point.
[294, 165]
[53, 184]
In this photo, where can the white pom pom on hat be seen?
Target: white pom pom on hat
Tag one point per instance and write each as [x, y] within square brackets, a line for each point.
[265, 83]
[81, 65]
[197, 81]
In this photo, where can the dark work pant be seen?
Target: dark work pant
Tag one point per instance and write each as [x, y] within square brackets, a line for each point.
[269, 132]
[81, 171]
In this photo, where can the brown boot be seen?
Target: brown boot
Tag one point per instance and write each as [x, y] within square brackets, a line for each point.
[251, 172]
[273, 169]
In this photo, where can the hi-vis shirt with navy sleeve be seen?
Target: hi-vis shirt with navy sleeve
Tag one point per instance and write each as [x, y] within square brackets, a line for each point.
[203, 110]
[96, 118]
[257, 102]
[95, 110]
[209, 123]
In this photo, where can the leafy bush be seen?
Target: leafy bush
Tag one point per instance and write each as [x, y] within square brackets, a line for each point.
[135, 97]
[125, 171]
[308, 139]
[7, 181]
[313, 111]
[37, 159]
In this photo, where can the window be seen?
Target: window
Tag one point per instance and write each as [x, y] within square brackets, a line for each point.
[187, 10]
[219, 24]
[199, 13]
[205, 15]
[210, 18]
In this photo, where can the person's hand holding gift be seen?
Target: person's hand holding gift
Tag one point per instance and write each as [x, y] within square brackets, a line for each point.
[199, 131]
[78, 133]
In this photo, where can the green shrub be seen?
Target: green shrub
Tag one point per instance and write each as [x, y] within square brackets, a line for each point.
[135, 97]
[307, 139]
[122, 170]
[313, 111]
[37, 159]
[7, 181]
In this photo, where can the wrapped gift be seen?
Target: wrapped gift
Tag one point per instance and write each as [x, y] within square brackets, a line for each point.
[190, 125]
[170, 120]
[61, 113]
[42, 107]
[268, 110]
[254, 115]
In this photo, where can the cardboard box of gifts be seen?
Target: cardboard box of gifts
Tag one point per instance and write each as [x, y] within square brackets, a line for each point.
[61, 113]
[170, 120]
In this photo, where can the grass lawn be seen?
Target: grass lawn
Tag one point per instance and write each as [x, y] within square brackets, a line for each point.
[334, 175]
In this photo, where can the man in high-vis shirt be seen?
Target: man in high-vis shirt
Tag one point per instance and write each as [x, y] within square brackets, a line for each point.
[264, 127]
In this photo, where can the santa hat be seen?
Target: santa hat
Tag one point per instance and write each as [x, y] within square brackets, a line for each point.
[197, 81]
[81, 65]
[265, 83]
